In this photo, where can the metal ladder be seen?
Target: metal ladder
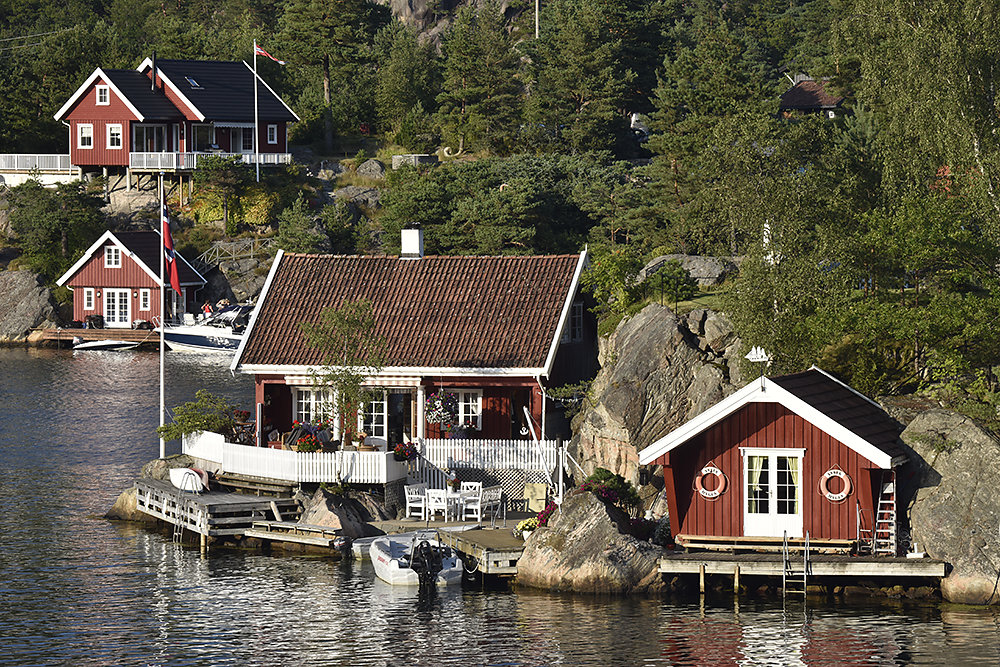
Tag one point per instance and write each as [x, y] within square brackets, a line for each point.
[793, 581]
[885, 521]
[180, 512]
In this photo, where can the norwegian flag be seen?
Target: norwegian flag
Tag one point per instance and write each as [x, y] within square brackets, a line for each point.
[169, 256]
[257, 51]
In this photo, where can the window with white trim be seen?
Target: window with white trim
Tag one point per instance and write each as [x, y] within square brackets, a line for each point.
[573, 332]
[103, 96]
[373, 419]
[247, 138]
[112, 257]
[145, 298]
[85, 135]
[272, 134]
[312, 404]
[470, 407]
[88, 298]
[114, 136]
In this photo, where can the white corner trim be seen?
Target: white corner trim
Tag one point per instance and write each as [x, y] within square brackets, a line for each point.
[86, 257]
[276, 95]
[265, 290]
[566, 310]
[98, 73]
[764, 391]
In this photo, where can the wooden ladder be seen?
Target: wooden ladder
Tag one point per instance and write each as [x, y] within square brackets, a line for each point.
[793, 580]
[885, 521]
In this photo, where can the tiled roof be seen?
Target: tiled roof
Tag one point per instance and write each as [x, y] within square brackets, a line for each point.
[846, 407]
[224, 90]
[809, 95]
[445, 312]
[146, 246]
[153, 105]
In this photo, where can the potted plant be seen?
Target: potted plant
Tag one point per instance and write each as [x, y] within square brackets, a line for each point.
[308, 443]
[404, 451]
[527, 527]
[441, 408]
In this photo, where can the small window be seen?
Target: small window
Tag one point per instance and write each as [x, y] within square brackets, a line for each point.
[144, 299]
[573, 332]
[88, 298]
[192, 82]
[373, 419]
[312, 404]
[85, 135]
[112, 257]
[103, 96]
[272, 134]
[114, 136]
[248, 139]
[470, 407]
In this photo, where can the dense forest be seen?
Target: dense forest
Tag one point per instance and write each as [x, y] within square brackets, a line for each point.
[870, 242]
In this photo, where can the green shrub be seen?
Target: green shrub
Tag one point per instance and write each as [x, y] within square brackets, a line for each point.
[207, 412]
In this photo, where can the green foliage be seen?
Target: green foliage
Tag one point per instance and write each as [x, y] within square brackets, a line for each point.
[613, 488]
[571, 396]
[611, 277]
[675, 282]
[207, 412]
[224, 179]
[297, 230]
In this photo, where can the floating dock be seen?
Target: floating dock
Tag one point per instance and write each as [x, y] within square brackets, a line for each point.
[820, 565]
[298, 533]
[492, 551]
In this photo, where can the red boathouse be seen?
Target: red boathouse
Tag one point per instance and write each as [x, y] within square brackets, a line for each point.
[796, 454]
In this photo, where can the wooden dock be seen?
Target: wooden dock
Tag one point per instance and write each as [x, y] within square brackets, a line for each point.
[820, 565]
[492, 551]
[212, 513]
[298, 533]
[64, 337]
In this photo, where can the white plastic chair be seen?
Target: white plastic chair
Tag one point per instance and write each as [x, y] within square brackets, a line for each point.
[474, 487]
[416, 500]
[472, 504]
[437, 501]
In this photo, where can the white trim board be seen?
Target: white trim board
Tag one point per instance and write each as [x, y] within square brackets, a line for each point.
[564, 316]
[148, 62]
[764, 391]
[98, 73]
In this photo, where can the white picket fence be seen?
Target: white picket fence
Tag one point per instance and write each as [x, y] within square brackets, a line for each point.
[491, 454]
[297, 467]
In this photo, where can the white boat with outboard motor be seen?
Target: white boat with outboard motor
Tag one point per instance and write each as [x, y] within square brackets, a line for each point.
[112, 345]
[221, 331]
[421, 561]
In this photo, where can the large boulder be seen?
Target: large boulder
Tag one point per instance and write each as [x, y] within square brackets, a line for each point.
[954, 507]
[365, 198]
[126, 508]
[657, 371]
[707, 271]
[350, 513]
[371, 168]
[582, 550]
[24, 305]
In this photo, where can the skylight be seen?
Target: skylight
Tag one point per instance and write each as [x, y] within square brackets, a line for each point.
[190, 80]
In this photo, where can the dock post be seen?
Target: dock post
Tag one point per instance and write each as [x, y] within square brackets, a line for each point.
[701, 578]
[204, 544]
[736, 580]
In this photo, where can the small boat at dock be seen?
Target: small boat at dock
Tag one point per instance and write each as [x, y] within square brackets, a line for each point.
[219, 332]
[106, 345]
[189, 479]
[423, 561]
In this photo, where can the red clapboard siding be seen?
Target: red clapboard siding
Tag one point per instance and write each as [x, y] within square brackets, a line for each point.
[774, 426]
[86, 110]
[129, 275]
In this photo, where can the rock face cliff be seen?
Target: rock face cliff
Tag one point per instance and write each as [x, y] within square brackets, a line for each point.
[657, 371]
[950, 486]
[24, 305]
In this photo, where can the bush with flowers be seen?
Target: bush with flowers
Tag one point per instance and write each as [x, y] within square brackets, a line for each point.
[404, 451]
[441, 408]
[308, 443]
[613, 489]
[543, 516]
[528, 524]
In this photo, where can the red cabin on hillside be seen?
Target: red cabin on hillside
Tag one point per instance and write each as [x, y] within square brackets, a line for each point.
[784, 456]
[122, 121]
[118, 279]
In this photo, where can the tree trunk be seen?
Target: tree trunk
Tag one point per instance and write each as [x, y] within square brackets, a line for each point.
[328, 111]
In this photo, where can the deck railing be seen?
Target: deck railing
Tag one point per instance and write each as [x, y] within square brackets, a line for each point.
[187, 161]
[298, 467]
[29, 162]
[491, 454]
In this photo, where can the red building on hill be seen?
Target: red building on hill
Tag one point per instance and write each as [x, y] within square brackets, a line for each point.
[118, 279]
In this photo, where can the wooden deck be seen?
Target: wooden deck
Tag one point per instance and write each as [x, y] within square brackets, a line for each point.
[820, 565]
[299, 533]
[493, 551]
[64, 337]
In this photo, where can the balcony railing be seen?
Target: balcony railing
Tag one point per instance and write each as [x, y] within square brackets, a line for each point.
[188, 161]
[30, 162]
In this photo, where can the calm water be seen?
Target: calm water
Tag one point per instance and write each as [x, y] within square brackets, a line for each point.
[76, 589]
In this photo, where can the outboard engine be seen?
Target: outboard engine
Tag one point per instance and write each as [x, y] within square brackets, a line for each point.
[426, 562]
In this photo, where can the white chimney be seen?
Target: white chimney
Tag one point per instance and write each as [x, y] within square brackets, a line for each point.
[412, 244]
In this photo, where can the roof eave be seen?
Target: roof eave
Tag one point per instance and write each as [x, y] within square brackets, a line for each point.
[427, 371]
[265, 290]
[565, 314]
[75, 97]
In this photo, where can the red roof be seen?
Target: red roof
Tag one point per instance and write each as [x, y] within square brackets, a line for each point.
[809, 95]
[444, 312]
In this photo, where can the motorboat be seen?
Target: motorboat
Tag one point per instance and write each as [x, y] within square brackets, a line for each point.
[220, 331]
[423, 561]
[113, 345]
[189, 479]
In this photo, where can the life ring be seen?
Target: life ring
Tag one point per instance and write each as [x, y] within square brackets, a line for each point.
[720, 482]
[824, 485]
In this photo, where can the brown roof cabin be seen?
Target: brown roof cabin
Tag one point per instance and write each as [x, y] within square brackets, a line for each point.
[495, 331]
[810, 96]
[118, 279]
[790, 455]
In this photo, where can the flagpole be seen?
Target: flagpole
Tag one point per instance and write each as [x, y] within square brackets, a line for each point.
[256, 140]
[163, 324]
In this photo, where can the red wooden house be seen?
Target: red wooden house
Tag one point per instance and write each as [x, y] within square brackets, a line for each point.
[786, 455]
[495, 331]
[164, 114]
[118, 279]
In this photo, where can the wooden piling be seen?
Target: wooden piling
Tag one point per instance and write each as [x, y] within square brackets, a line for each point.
[736, 580]
[701, 578]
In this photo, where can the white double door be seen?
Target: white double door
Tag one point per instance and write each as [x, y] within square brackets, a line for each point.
[117, 308]
[772, 492]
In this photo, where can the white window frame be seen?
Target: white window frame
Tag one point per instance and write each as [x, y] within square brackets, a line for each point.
[88, 298]
[145, 299]
[573, 333]
[272, 134]
[246, 140]
[470, 406]
[112, 257]
[115, 130]
[310, 403]
[373, 421]
[105, 92]
[85, 131]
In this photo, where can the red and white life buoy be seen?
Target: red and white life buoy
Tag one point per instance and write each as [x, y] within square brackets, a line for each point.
[824, 485]
[720, 482]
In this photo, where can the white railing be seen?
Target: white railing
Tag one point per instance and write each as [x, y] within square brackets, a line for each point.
[29, 162]
[165, 160]
[491, 454]
[298, 467]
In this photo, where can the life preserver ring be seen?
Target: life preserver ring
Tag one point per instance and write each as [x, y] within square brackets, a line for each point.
[720, 482]
[824, 485]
